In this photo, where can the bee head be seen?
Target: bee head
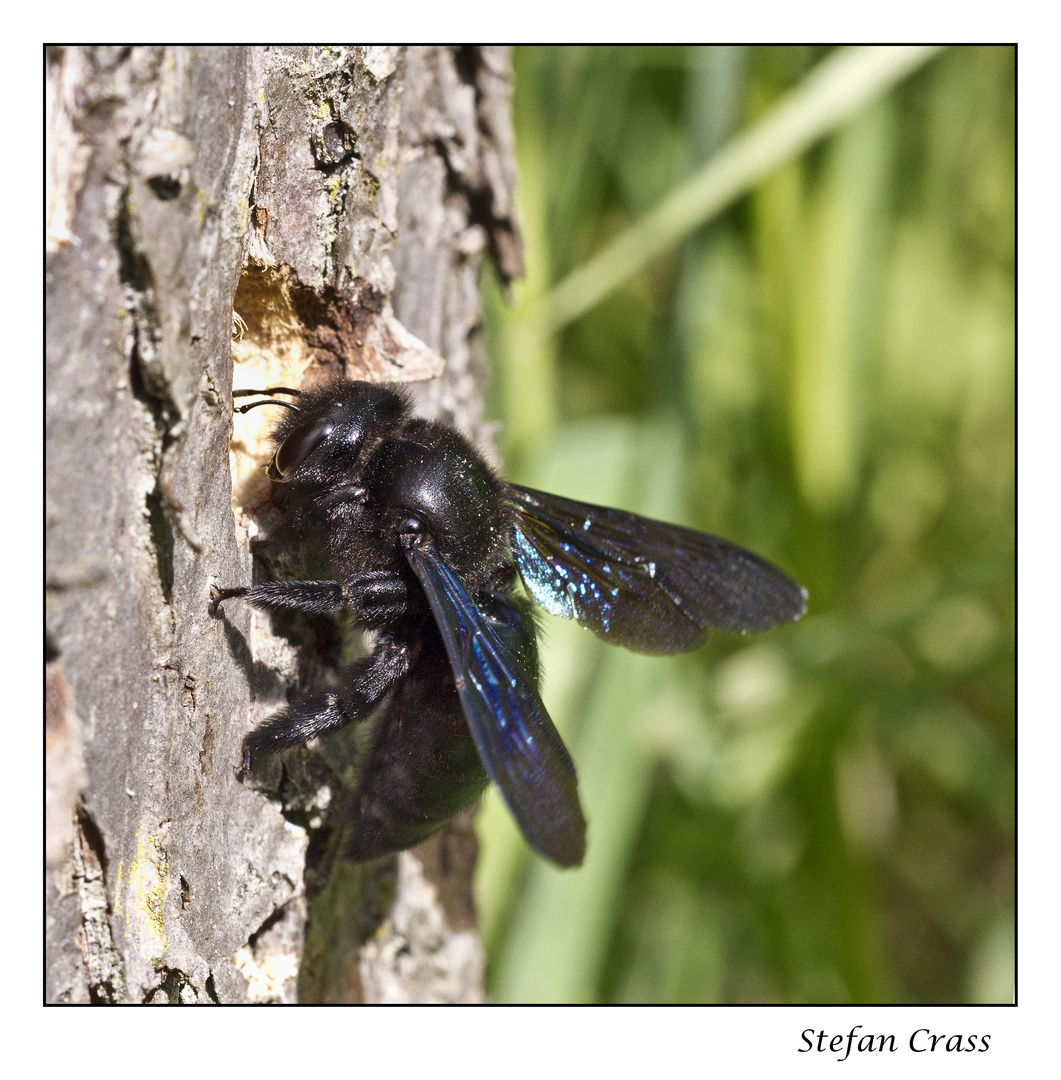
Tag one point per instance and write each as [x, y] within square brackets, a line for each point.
[321, 441]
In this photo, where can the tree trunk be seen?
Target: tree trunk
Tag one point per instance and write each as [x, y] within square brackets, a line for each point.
[279, 214]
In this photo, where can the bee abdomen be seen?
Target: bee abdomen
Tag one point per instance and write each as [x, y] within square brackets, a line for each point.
[421, 770]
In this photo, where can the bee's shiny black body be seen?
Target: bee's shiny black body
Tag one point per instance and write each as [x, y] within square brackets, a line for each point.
[423, 542]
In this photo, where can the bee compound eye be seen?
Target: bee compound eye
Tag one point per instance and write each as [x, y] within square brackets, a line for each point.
[298, 446]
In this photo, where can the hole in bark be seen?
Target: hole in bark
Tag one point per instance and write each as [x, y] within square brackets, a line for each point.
[165, 187]
[268, 349]
[287, 335]
[466, 60]
[333, 145]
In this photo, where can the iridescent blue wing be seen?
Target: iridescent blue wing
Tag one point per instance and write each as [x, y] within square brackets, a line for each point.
[647, 585]
[516, 741]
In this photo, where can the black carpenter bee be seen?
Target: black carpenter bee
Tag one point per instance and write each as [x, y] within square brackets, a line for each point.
[424, 542]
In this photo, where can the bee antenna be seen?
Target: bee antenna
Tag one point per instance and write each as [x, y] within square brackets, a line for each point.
[272, 391]
[267, 401]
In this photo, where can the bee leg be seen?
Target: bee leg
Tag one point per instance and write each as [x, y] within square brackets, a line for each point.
[316, 597]
[374, 596]
[364, 684]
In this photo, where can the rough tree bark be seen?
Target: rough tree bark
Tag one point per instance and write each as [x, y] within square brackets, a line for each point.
[300, 212]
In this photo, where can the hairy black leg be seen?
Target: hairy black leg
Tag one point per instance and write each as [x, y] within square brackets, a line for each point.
[373, 596]
[364, 684]
[317, 597]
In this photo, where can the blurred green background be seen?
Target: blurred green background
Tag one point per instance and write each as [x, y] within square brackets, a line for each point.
[823, 372]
